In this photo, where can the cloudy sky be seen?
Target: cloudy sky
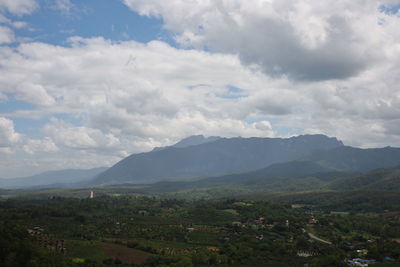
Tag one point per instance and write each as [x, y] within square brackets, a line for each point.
[84, 83]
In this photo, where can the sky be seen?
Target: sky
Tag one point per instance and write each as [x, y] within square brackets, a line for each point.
[85, 83]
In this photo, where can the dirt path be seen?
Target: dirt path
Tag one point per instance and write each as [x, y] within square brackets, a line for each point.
[319, 239]
[316, 238]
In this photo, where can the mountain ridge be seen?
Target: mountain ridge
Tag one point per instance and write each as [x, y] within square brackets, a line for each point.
[219, 157]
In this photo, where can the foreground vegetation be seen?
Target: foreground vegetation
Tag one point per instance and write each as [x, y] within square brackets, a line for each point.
[132, 230]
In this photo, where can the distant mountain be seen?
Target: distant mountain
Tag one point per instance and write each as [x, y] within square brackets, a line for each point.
[193, 140]
[212, 158]
[60, 178]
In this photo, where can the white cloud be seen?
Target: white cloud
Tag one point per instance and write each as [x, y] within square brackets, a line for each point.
[33, 146]
[14, 142]
[63, 5]
[122, 87]
[33, 93]
[8, 136]
[79, 137]
[6, 35]
[19, 24]
[18, 7]
[14, 7]
[306, 40]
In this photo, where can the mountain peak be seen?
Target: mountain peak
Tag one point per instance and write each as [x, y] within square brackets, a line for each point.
[195, 140]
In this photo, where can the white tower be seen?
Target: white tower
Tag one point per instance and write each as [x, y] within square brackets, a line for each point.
[91, 194]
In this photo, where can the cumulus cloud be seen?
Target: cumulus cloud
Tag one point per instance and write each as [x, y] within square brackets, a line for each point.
[13, 7]
[130, 97]
[146, 95]
[305, 40]
[79, 137]
[129, 88]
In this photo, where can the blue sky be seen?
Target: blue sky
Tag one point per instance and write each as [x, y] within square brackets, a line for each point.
[91, 18]
[86, 83]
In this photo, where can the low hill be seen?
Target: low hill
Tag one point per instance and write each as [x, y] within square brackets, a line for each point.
[382, 179]
[352, 201]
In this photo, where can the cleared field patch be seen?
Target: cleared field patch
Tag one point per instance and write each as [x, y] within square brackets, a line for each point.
[125, 254]
[78, 249]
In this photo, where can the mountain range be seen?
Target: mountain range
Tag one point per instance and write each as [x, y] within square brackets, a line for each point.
[306, 162]
[211, 158]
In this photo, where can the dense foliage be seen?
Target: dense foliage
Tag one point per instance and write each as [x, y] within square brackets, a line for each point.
[131, 230]
[18, 248]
